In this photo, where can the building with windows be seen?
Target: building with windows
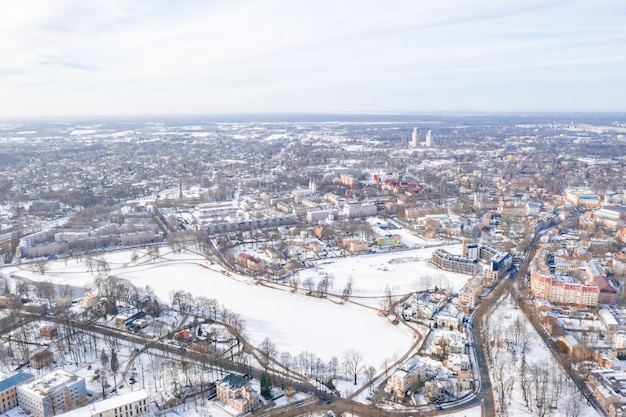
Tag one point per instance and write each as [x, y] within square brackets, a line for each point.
[52, 394]
[128, 405]
[583, 198]
[562, 289]
[8, 389]
[429, 139]
[236, 392]
[445, 260]
[408, 375]
[415, 138]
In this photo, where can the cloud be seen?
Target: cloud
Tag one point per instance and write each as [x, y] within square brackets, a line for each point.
[117, 57]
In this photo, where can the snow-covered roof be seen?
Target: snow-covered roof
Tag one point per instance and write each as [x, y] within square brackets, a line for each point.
[108, 404]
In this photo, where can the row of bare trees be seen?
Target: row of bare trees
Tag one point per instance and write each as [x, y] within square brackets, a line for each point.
[544, 385]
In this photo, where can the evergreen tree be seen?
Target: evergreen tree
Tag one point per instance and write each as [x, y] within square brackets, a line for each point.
[266, 386]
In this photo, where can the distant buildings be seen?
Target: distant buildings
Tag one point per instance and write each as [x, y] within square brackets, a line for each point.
[415, 138]
[429, 139]
[60, 241]
[583, 198]
[550, 280]
[495, 262]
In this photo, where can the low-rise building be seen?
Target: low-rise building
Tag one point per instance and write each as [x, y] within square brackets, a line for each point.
[49, 331]
[457, 362]
[236, 392]
[450, 321]
[41, 359]
[469, 297]
[128, 405]
[408, 375]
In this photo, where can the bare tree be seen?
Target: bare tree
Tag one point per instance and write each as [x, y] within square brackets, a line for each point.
[322, 286]
[66, 291]
[388, 301]
[45, 290]
[268, 351]
[104, 361]
[347, 291]
[308, 284]
[353, 363]
[41, 265]
[370, 373]
[103, 267]
[22, 289]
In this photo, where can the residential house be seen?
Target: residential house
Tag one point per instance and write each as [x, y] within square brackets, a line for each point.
[410, 373]
[236, 392]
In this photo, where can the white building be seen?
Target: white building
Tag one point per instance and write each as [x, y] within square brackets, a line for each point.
[412, 371]
[449, 321]
[52, 394]
[415, 138]
[619, 341]
[429, 139]
[458, 362]
[128, 405]
[360, 210]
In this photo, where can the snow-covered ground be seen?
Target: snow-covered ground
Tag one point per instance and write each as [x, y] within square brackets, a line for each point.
[509, 331]
[402, 271]
[294, 322]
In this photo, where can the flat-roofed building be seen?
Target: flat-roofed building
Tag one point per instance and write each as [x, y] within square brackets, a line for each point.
[128, 405]
[445, 260]
[52, 394]
[8, 389]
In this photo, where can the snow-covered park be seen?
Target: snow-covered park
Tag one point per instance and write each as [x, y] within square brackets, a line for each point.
[526, 379]
[293, 321]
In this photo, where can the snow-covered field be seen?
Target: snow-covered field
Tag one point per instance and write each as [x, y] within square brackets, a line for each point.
[402, 271]
[294, 322]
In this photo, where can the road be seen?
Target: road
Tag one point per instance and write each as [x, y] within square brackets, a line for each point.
[483, 397]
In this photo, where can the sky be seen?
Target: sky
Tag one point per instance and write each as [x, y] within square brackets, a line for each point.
[137, 57]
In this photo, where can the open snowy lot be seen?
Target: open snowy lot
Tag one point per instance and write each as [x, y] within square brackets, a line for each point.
[403, 272]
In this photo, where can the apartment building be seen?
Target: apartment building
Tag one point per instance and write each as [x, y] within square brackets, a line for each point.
[445, 260]
[52, 394]
[8, 389]
[565, 292]
[548, 282]
[132, 404]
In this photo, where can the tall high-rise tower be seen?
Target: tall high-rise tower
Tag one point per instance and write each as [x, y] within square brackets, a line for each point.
[429, 139]
[415, 138]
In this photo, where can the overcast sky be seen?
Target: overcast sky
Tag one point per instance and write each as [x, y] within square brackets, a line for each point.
[124, 57]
